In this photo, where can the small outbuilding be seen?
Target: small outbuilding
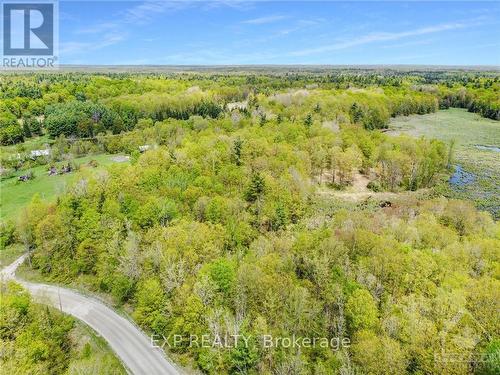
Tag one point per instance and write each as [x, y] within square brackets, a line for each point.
[37, 153]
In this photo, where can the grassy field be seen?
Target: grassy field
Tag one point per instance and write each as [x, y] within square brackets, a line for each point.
[17, 194]
[480, 165]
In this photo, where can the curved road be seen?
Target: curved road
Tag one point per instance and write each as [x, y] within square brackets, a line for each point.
[129, 343]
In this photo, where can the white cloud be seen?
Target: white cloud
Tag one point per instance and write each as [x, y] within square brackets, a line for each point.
[138, 14]
[264, 20]
[409, 43]
[147, 10]
[380, 37]
[115, 31]
[97, 28]
[86, 47]
[242, 5]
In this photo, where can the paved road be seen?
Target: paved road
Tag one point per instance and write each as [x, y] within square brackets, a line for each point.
[131, 345]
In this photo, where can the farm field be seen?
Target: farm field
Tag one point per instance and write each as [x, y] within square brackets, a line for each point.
[17, 194]
[476, 151]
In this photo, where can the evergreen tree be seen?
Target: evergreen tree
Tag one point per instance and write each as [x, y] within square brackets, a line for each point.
[308, 120]
[255, 189]
[237, 146]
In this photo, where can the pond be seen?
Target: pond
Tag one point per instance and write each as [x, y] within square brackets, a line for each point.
[461, 177]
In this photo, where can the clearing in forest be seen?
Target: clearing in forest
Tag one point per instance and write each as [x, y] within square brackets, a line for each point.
[17, 194]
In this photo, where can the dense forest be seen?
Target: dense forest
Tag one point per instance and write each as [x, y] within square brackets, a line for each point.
[84, 105]
[228, 222]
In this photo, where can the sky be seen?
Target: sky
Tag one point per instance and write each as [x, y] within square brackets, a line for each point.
[297, 32]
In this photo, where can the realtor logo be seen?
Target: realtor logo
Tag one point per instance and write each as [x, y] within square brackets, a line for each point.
[28, 29]
[29, 33]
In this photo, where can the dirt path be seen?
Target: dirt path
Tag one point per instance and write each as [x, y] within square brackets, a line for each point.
[358, 196]
[358, 191]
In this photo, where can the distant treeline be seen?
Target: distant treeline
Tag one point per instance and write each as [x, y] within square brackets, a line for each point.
[83, 105]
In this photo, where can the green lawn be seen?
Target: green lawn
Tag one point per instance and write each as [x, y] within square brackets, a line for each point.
[14, 194]
[468, 130]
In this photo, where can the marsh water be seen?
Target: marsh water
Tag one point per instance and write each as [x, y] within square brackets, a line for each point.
[461, 177]
[488, 148]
